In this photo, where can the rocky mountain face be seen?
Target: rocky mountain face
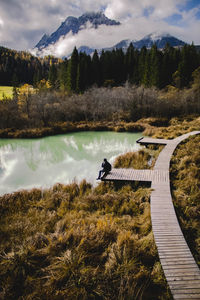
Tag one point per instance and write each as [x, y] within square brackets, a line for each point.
[94, 20]
[75, 25]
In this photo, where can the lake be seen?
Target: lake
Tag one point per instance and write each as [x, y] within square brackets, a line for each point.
[28, 163]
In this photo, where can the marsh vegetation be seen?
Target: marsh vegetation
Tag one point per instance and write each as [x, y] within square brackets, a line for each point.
[71, 240]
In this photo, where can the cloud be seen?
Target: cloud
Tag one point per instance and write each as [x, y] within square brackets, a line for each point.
[134, 8]
[104, 36]
[1, 23]
[23, 23]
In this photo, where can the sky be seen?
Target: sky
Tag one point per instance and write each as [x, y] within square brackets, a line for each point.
[24, 22]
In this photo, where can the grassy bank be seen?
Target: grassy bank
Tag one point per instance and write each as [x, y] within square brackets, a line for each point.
[68, 127]
[156, 127]
[176, 127]
[79, 242]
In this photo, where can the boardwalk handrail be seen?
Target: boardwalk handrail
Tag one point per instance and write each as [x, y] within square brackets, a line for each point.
[179, 266]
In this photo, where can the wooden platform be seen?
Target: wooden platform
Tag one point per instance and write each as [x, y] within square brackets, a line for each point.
[137, 175]
[146, 141]
[179, 266]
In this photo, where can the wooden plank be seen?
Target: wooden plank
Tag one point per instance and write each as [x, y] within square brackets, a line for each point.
[186, 296]
[177, 260]
[178, 255]
[176, 265]
[182, 272]
[184, 266]
[185, 284]
[174, 251]
[184, 278]
[186, 291]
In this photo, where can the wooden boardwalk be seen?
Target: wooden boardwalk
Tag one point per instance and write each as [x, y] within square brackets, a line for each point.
[179, 266]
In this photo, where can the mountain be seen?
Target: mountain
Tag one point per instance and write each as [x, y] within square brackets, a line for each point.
[51, 44]
[74, 25]
[148, 41]
[160, 40]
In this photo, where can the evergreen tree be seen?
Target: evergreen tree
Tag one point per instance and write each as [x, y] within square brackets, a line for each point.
[142, 65]
[72, 71]
[96, 73]
[155, 67]
[167, 66]
[37, 77]
[106, 67]
[146, 75]
[118, 65]
[130, 63]
[188, 63]
[62, 74]
[83, 73]
[52, 76]
[15, 81]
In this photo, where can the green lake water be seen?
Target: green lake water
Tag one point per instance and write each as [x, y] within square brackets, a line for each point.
[25, 164]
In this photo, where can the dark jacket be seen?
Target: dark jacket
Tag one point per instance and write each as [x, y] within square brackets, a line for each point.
[106, 166]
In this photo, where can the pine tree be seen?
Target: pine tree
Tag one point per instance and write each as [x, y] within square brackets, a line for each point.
[96, 73]
[82, 73]
[147, 69]
[155, 67]
[142, 66]
[15, 81]
[188, 63]
[72, 71]
[118, 66]
[52, 76]
[63, 74]
[130, 63]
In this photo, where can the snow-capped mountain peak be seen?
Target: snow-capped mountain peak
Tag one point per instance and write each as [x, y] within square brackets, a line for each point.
[74, 25]
[159, 39]
[155, 36]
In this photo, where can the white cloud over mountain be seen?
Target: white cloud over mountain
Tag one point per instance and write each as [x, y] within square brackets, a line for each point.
[22, 23]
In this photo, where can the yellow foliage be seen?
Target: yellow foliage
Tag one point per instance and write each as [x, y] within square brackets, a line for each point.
[43, 84]
[171, 94]
[23, 96]
[26, 89]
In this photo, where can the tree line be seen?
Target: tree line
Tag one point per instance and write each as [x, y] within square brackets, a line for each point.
[128, 103]
[147, 67]
[19, 67]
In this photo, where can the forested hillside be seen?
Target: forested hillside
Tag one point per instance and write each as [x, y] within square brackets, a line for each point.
[19, 67]
[148, 67]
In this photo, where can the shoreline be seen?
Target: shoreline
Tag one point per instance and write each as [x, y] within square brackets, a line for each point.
[69, 127]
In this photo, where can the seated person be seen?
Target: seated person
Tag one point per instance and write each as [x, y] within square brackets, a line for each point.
[106, 168]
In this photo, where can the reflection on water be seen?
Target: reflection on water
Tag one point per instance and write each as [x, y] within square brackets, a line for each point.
[43, 162]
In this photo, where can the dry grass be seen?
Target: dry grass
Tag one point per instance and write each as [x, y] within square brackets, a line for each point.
[185, 174]
[177, 127]
[75, 241]
[143, 159]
